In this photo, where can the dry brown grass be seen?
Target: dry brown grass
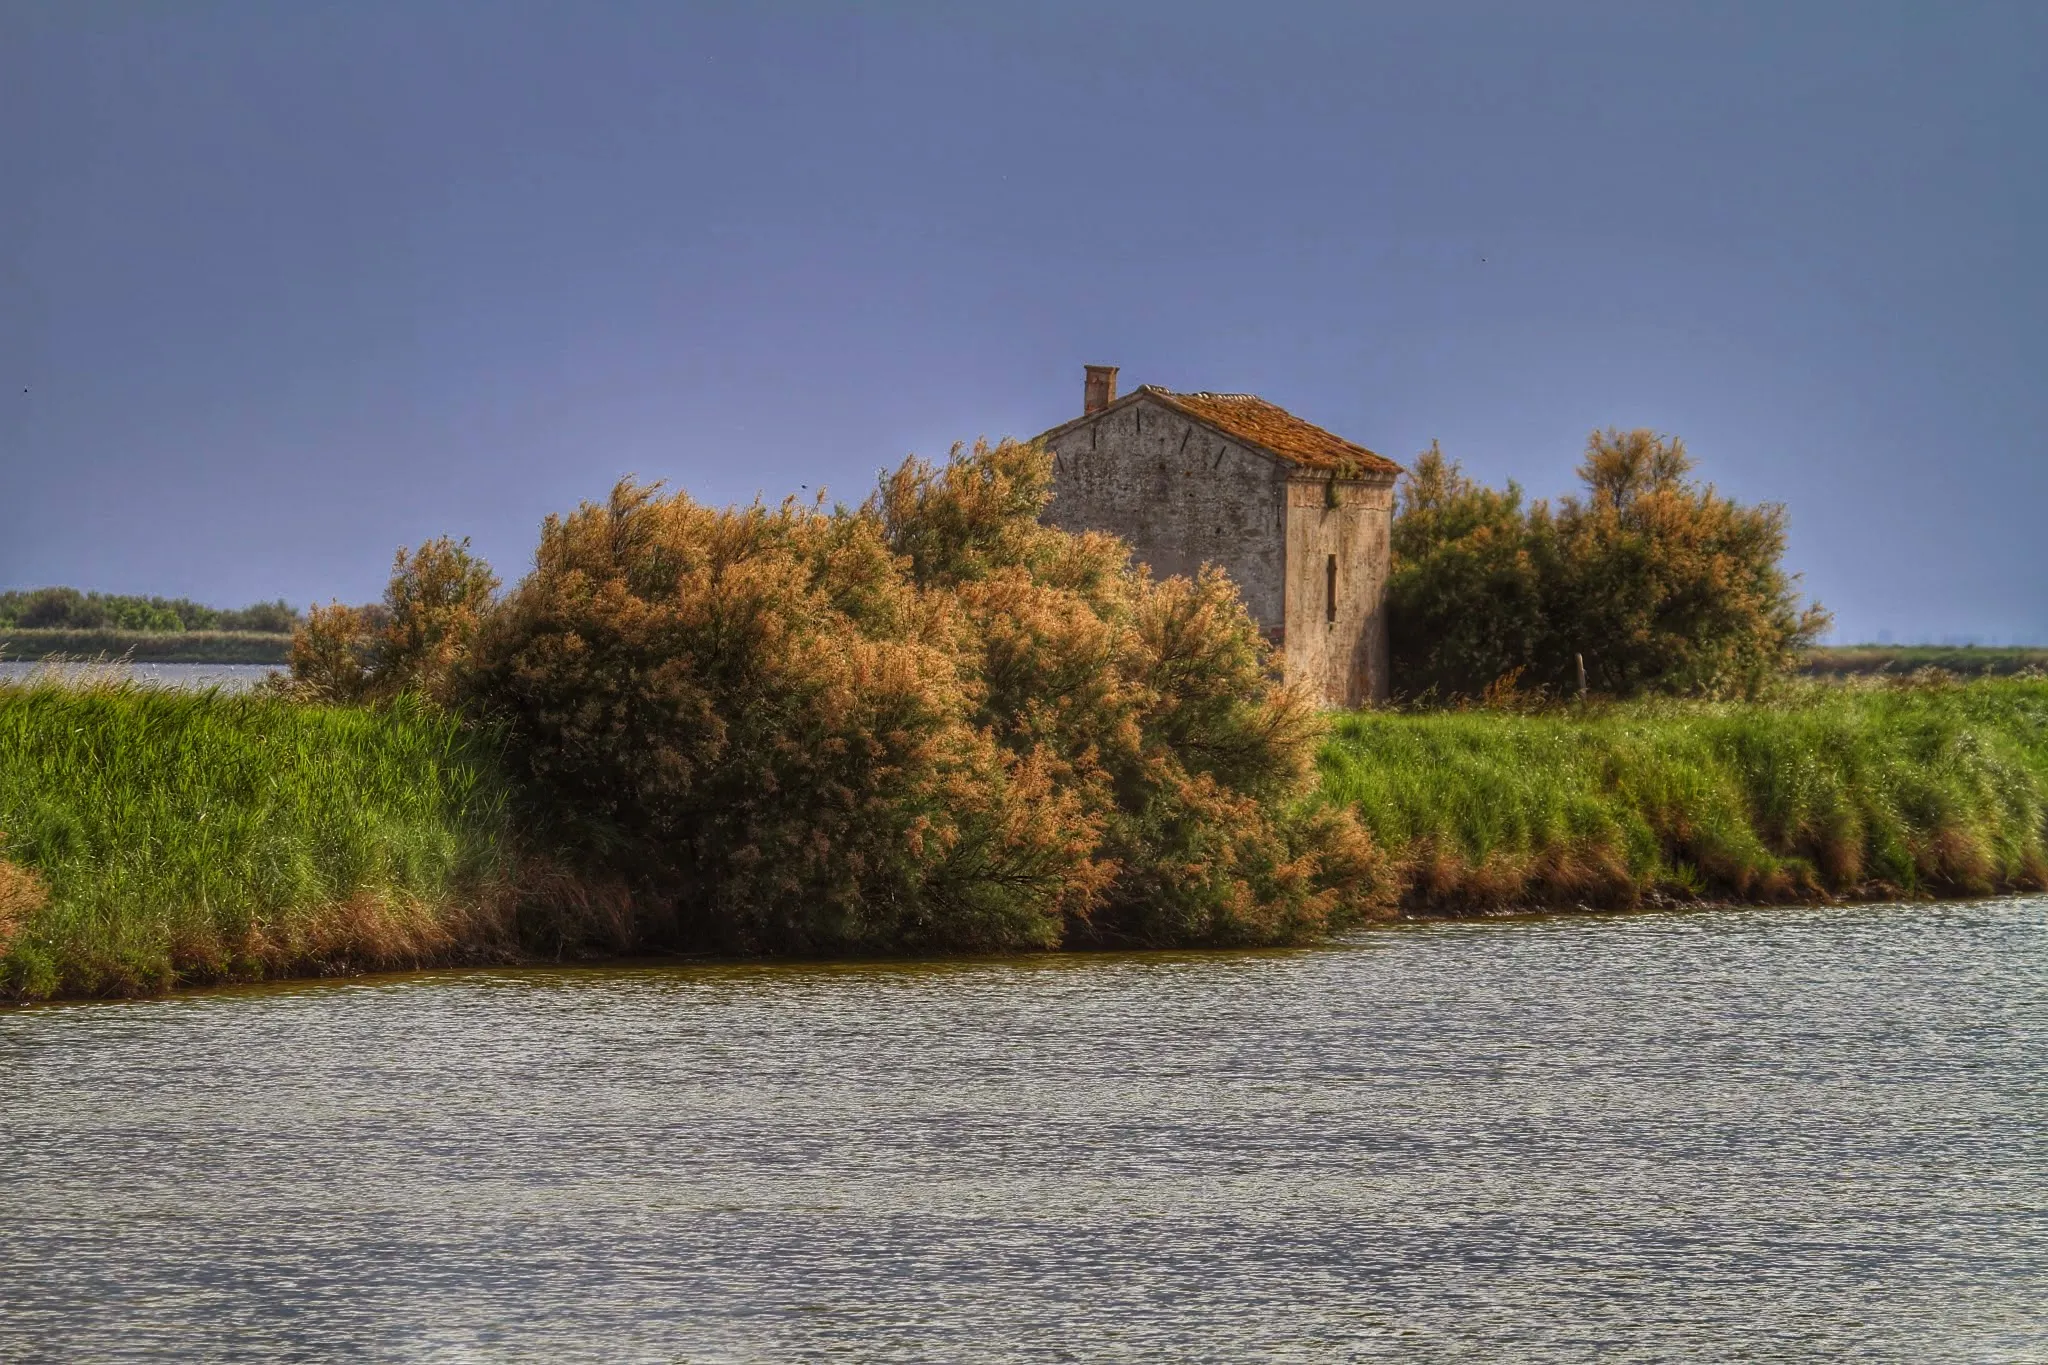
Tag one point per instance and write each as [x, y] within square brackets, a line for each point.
[556, 911]
[1437, 879]
[364, 932]
[22, 893]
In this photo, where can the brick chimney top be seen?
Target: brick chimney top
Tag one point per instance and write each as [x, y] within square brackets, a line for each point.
[1098, 391]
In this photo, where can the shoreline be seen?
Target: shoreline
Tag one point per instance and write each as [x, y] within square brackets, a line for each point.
[154, 841]
[468, 964]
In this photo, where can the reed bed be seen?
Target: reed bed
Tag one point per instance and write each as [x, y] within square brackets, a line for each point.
[1828, 791]
[151, 838]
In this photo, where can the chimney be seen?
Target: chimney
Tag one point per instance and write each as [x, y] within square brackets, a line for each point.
[1099, 389]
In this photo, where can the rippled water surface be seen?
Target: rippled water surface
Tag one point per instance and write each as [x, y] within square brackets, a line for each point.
[226, 677]
[1798, 1134]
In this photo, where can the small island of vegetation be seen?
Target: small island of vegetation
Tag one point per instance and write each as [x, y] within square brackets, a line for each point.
[929, 723]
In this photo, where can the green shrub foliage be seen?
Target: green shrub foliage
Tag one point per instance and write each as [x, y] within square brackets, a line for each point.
[924, 723]
[1659, 582]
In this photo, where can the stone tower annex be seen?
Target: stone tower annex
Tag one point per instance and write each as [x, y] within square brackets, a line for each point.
[1296, 516]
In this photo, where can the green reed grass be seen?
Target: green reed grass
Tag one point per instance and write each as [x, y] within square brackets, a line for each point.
[189, 836]
[150, 838]
[1825, 791]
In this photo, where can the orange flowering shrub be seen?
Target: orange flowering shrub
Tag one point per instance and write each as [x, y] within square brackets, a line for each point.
[22, 893]
[334, 653]
[408, 643]
[927, 723]
[755, 717]
[1154, 702]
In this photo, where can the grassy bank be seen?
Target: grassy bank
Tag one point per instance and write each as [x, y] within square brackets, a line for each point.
[1968, 661]
[150, 838]
[1833, 791]
[161, 647]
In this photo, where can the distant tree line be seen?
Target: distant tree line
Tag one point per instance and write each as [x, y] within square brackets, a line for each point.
[70, 609]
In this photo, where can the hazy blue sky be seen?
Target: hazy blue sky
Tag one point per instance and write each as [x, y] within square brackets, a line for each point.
[284, 286]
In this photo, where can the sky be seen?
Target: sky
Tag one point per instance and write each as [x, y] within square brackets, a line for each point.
[284, 287]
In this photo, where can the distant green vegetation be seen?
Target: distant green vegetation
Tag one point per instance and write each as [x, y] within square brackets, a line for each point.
[189, 646]
[1968, 661]
[65, 623]
[150, 838]
[70, 609]
[1936, 789]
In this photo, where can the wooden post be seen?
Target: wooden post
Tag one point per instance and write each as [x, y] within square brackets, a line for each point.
[1582, 675]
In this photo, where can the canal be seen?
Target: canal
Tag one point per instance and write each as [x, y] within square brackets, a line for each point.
[1796, 1134]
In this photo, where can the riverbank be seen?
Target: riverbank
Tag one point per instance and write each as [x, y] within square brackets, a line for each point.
[163, 647]
[159, 838]
[151, 839]
[1867, 792]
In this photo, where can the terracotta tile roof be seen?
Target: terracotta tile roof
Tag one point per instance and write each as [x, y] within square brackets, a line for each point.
[1268, 426]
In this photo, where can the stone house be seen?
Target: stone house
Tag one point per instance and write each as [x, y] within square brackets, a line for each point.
[1296, 516]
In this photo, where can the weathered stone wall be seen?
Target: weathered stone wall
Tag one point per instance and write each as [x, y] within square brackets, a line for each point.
[1336, 637]
[1182, 495]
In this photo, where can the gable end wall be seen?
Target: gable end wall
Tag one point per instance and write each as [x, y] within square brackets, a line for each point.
[1182, 495]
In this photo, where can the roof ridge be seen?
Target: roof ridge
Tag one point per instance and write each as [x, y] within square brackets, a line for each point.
[1265, 424]
[1261, 424]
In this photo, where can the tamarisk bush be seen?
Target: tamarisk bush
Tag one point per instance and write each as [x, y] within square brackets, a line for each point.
[406, 644]
[925, 723]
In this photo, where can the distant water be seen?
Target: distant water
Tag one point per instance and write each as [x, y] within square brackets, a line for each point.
[1766, 1135]
[227, 677]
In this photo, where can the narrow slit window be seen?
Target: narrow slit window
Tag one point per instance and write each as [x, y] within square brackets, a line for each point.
[1330, 590]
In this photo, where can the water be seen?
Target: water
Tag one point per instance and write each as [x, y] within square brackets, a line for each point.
[1759, 1135]
[227, 677]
